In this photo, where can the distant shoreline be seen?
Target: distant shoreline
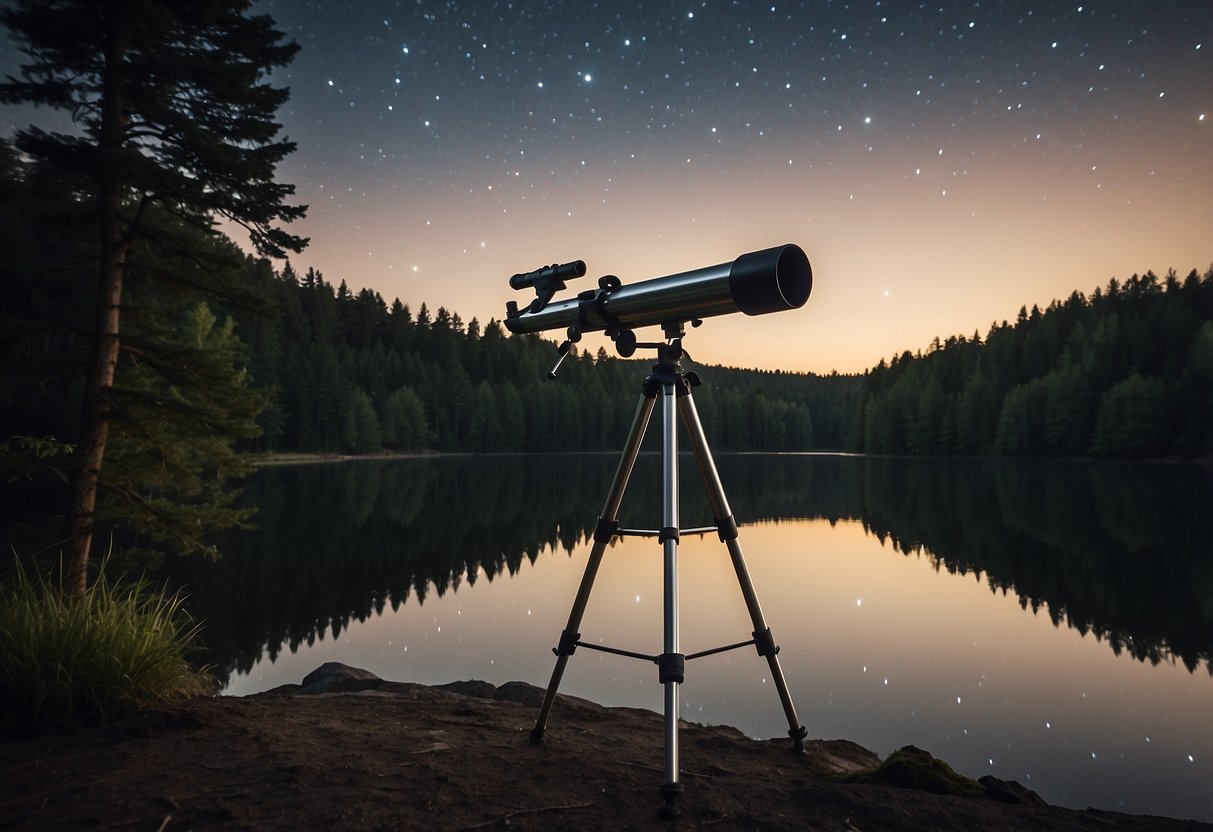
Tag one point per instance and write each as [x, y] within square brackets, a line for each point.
[307, 458]
[301, 458]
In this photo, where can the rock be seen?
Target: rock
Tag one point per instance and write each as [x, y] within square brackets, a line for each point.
[1010, 791]
[333, 677]
[472, 687]
[520, 692]
[910, 767]
[839, 758]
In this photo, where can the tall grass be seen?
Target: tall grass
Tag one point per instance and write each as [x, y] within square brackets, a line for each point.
[119, 648]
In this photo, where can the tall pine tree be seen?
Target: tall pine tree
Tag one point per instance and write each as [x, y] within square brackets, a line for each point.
[173, 112]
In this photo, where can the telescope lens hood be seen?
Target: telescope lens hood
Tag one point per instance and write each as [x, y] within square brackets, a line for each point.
[771, 280]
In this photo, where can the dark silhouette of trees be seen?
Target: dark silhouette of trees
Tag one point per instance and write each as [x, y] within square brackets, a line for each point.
[1124, 373]
[174, 131]
[351, 374]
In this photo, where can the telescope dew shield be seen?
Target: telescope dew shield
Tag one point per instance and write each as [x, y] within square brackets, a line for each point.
[772, 280]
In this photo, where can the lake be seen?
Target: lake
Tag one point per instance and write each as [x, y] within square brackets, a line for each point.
[1046, 622]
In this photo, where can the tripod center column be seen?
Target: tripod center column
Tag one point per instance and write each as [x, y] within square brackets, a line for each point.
[672, 662]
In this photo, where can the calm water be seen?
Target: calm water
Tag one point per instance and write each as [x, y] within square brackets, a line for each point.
[1050, 623]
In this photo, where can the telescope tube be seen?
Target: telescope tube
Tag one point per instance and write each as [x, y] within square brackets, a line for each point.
[771, 280]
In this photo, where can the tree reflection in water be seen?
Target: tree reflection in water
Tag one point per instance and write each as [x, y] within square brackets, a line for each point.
[1122, 550]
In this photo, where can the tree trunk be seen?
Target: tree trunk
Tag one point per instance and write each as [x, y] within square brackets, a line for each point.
[98, 391]
[94, 423]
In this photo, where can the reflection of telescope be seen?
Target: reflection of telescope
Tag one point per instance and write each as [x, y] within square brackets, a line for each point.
[771, 280]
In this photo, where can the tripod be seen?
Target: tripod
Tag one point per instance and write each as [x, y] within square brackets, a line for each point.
[668, 382]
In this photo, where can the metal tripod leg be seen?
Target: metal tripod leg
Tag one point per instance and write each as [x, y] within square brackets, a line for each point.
[602, 535]
[727, 528]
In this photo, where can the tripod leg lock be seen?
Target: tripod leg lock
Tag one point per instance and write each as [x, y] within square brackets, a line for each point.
[671, 667]
[765, 642]
[726, 529]
[605, 530]
[568, 643]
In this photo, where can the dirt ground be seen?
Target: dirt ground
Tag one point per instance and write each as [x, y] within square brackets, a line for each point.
[405, 756]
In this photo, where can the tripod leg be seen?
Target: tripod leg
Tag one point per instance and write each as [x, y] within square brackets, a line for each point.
[727, 528]
[602, 536]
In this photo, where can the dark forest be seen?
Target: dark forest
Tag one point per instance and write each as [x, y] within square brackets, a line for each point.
[1126, 372]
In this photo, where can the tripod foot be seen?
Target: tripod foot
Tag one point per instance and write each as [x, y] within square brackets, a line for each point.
[537, 735]
[797, 735]
[670, 792]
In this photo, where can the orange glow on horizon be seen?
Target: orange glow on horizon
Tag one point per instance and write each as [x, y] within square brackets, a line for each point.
[899, 257]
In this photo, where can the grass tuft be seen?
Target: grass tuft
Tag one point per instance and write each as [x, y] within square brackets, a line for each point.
[119, 648]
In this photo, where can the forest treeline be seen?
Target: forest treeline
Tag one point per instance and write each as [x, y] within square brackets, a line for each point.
[351, 373]
[1126, 372]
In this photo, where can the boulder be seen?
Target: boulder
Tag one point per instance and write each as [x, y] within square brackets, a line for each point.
[472, 687]
[334, 677]
[1011, 791]
[520, 692]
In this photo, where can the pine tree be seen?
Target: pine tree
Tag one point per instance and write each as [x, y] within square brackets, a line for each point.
[175, 418]
[172, 114]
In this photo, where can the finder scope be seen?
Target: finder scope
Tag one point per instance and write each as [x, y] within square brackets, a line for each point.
[546, 281]
[771, 280]
[555, 272]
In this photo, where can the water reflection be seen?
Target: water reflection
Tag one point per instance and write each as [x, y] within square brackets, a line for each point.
[1120, 550]
[338, 542]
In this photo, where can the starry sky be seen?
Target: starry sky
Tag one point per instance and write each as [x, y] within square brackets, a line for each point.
[941, 163]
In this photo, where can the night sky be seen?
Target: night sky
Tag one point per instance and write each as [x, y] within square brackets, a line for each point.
[941, 163]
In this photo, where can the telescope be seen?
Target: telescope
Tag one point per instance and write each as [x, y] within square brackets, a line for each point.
[772, 280]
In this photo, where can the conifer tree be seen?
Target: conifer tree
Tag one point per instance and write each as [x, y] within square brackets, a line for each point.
[172, 113]
[176, 416]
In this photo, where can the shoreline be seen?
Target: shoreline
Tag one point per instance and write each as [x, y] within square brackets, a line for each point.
[346, 750]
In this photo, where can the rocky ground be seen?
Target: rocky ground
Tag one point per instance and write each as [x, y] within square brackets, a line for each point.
[355, 753]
